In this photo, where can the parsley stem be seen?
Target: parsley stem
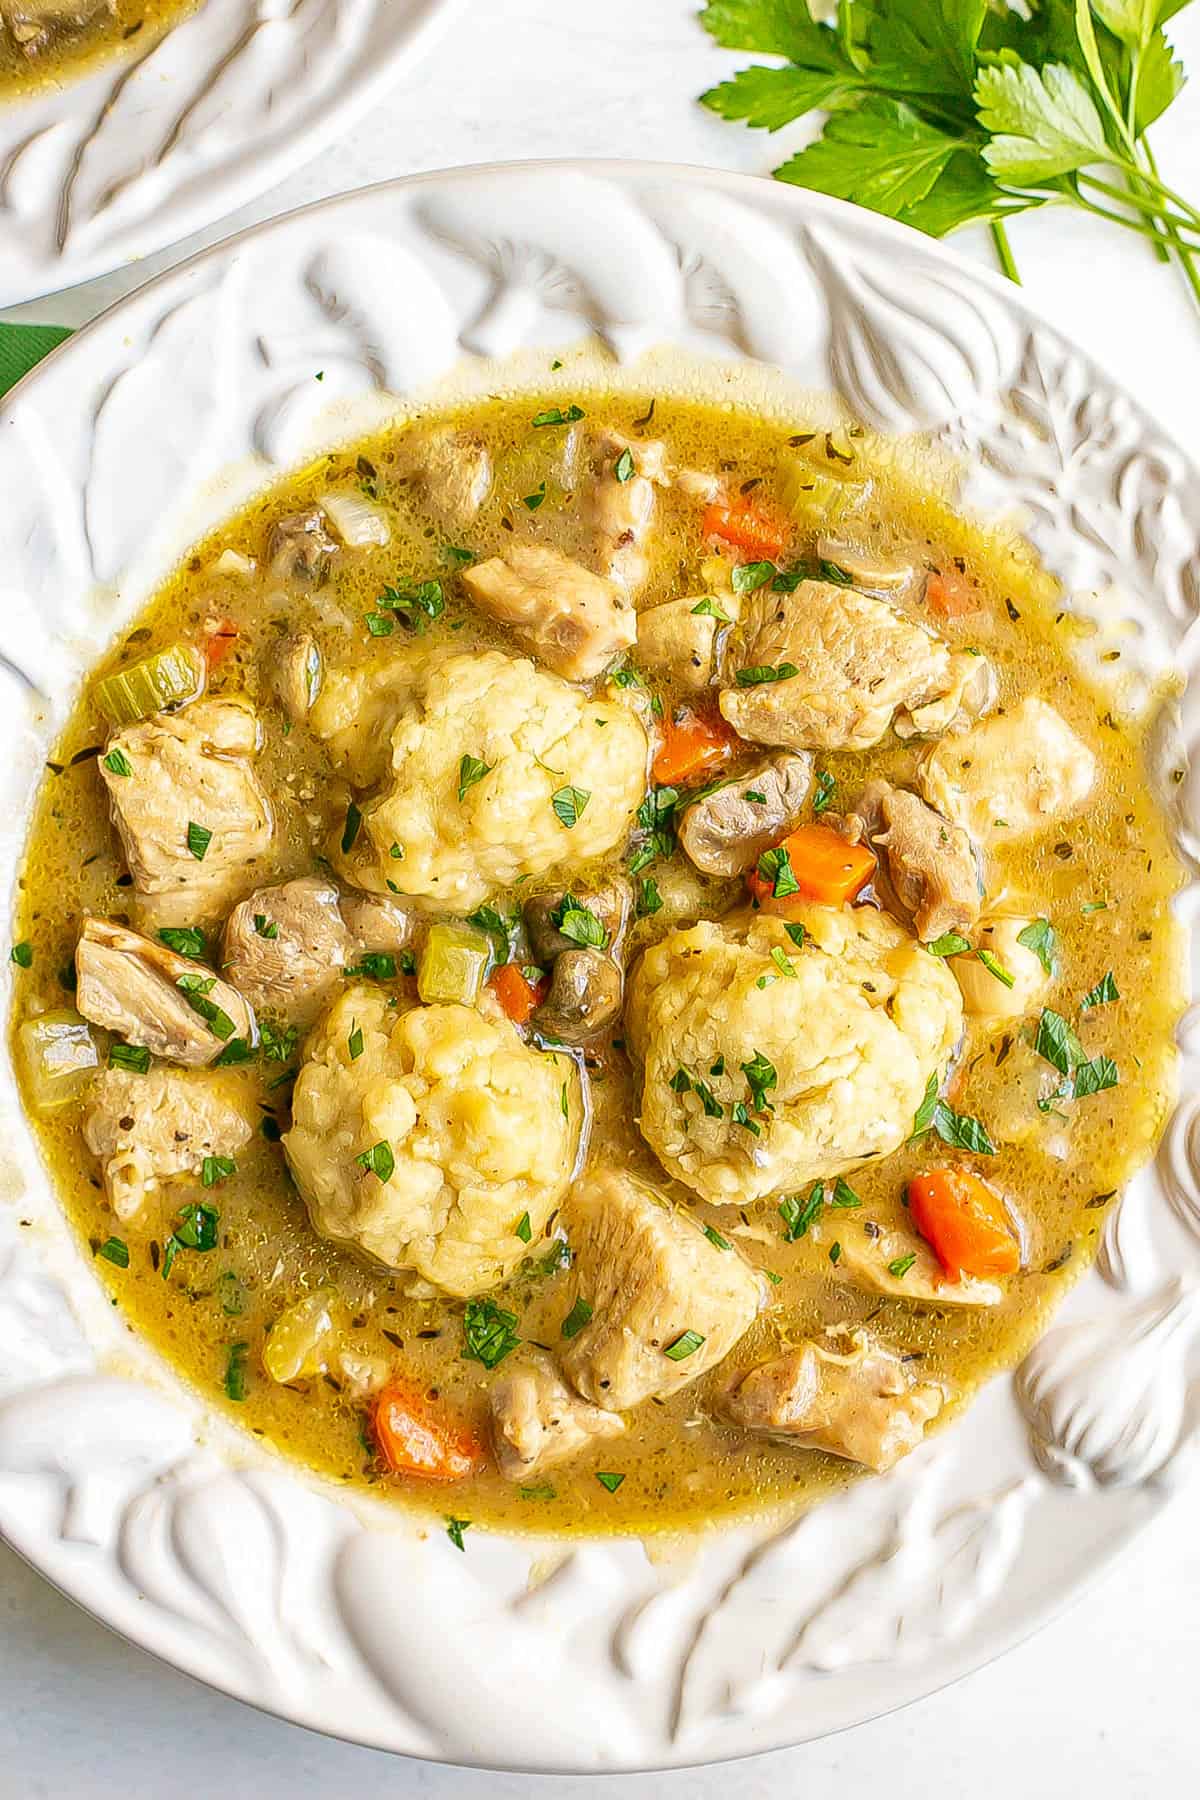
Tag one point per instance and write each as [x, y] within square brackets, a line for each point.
[1004, 253]
[1143, 203]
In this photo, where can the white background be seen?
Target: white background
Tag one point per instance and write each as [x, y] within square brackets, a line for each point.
[1107, 1700]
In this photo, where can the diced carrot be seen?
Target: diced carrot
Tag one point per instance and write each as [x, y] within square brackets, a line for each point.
[692, 745]
[418, 1438]
[518, 997]
[821, 864]
[950, 594]
[219, 642]
[744, 525]
[965, 1222]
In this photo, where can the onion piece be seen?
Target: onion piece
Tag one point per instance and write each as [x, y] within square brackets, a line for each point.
[359, 522]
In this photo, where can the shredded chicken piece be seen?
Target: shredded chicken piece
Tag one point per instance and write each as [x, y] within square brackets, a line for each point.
[537, 1422]
[1015, 774]
[450, 469]
[864, 1407]
[192, 816]
[901, 1264]
[678, 639]
[931, 863]
[573, 621]
[170, 1004]
[972, 693]
[621, 504]
[151, 1129]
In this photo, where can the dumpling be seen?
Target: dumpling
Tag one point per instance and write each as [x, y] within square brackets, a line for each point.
[498, 771]
[423, 1138]
[766, 1064]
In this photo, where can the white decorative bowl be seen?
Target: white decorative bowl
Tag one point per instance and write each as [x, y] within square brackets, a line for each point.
[160, 143]
[328, 1607]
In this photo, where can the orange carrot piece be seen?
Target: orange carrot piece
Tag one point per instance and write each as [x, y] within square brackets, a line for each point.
[219, 642]
[821, 865]
[518, 997]
[949, 594]
[745, 526]
[417, 1438]
[965, 1223]
[694, 744]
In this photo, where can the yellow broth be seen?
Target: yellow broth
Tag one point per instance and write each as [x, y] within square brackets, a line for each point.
[1104, 878]
[71, 51]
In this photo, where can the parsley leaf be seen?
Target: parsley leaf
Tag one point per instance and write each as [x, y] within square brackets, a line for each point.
[1044, 123]
[184, 940]
[489, 1333]
[199, 837]
[1039, 937]
[762, 673]
[470, 771]
[569, 803]
[1104, 992]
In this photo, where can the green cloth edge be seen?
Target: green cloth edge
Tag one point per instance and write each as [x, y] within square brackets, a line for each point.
[22, 347]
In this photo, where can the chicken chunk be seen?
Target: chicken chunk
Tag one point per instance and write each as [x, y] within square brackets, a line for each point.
[153, 1128]
[902, 1265]
[620, 505]
[285, 947]
[930, 862]
[971, 692]
[537, 1422]
[663, 1304]
[35, 23]
[759, 1075]
[301, 548]
[562, 777]
[1019, 773]
[428, 1143]
[726, 832]
[173, 1006]
[192, 816]
[298, 676]
[677, 640]
[863, 1406]
[450, 469]
[854, 662]
[987, 995]
[571, 620]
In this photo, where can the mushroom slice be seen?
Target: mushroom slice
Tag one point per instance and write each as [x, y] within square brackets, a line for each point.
[584, 997]
[726, 831]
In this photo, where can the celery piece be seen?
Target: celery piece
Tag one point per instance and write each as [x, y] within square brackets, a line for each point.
[297, 1343]
[454, 963]
[817, 497]
[59, 1058]
[164, 679]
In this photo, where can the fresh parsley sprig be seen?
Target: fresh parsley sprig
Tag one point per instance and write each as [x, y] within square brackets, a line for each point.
[946, 112]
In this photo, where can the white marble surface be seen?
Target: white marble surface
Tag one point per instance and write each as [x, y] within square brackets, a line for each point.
[1106, 1696]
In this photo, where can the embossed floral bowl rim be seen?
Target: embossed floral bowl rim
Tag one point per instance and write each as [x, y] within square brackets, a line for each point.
[149, 147]
[333, 1610]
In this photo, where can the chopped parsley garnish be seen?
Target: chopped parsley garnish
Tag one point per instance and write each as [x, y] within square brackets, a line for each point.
[1058, 1044]
[380, 624]
[22, 955]
[116, 1251]
[351, 828]
[543, 1492]
[823, 796]
[753, 795]
[277, 1046]
[184, 940]
[798, 1215]
[773, 1278]
[117, 763]
[216, 1168]
[354, 1043]
[797, 935]
[534, 500]
[775, 866]
[1091, 906]
[199, 837]
[762, 673]
[235, 1371]
[564, 1104]
[959, 1130]
[419, 605]
[470, 771]
[1039, 937]
[569, 804]
[380, 965]
[456, 554]
[715, 1239]
[901, 1265]
[454, 1531]
[579, 923]
[951, 943]
[685, 1345]
[623, 467]
[749, 576]
[265, 928]
[609, 1479]
[237, 1050]
[378, 1160]
[843, 1194]
[708, 609]
[741, 1116]
[577, 1318]
[783, 962]
[835, 1252]
[524, 1228]
[649, 900]
[656, 817]
[557, 415]
[761, 1077]
[489, 1333]
[408, 964]
[195, 990]
[196, 1230]
[1104, 992]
